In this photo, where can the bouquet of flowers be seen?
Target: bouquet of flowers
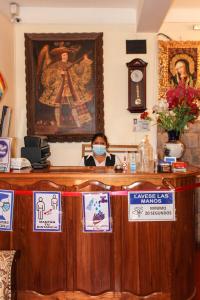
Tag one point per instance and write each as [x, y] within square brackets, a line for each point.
[178, 109]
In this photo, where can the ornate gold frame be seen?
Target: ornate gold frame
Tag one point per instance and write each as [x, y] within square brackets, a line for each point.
[169, 52]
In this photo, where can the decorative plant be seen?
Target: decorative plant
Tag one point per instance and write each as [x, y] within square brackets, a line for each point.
[178, 109]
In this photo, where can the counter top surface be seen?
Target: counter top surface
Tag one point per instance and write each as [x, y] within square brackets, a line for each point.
[90, 171]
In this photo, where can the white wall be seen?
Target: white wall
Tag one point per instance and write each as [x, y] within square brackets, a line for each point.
[180, 31]
[118, 121]
[7, 64]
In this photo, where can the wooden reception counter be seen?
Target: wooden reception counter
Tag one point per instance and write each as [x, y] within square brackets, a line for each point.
[137, 261]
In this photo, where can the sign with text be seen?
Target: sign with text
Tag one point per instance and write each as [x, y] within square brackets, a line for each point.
[5, 150]
[96, 212]
[141, 125]
[47, 211]
[6, 210]
[151, 206]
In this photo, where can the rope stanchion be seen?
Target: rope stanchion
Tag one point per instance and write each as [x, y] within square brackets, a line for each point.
[112, 193]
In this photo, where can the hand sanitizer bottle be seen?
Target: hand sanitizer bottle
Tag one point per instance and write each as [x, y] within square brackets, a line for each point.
[133, 163]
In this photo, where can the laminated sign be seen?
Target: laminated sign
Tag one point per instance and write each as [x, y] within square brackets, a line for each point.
[47, 211]
[6, 210]
[151, 206]
[5, 149]
[96, 212]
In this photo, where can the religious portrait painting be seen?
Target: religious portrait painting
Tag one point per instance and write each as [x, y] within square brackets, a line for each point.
[179, 61]
[64, 78]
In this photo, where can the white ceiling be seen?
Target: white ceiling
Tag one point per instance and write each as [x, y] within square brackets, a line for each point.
[147, 15]
[95, 3]
[195, 4]
[4, 4]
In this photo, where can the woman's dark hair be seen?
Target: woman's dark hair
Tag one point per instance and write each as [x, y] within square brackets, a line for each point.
[102, 135]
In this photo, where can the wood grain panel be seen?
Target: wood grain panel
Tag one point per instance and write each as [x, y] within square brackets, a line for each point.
[184, 243]
[141, 251]
[141, 255]
[42, 264]
[94, 251]
[137, 261]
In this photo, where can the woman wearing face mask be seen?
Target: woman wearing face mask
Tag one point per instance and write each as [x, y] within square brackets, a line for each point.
[99, 157]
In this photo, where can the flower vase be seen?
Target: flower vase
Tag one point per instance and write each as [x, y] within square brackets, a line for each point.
[174, 147]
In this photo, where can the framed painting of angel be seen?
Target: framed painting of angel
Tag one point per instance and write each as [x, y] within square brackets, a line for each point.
[64, 85]
[179, 61]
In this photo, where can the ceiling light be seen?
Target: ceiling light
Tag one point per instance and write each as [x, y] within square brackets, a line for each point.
[196, 27]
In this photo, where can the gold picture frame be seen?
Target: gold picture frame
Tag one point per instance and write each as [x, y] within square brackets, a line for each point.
[171, 52]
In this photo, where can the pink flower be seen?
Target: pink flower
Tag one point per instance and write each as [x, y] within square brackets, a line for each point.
[182, 95]
[178, 109]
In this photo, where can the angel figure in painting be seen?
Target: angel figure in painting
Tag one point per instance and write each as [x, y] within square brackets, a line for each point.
[65, 85]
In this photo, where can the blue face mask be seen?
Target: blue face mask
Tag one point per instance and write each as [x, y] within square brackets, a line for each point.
[99, 149]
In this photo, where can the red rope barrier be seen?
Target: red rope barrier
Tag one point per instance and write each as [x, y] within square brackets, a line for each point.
[187, 187]
[23, 192]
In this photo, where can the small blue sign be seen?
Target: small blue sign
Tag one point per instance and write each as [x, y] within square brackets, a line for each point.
[5, 151]
[3, 148]
[6, 210]
[169, 159]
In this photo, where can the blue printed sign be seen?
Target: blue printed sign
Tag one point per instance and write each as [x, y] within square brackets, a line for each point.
[169, 159]
[151, 206]
[5, 149]
[96, 212]
[6, 210]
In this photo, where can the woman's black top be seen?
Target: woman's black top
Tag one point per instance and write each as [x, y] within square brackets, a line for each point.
[89, 160]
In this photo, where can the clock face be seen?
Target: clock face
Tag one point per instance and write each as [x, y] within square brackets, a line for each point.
[136, 75]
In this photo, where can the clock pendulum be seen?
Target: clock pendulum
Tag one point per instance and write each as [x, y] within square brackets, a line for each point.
[138, 100]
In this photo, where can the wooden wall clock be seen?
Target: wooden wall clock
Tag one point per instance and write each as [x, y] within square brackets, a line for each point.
[136, 85]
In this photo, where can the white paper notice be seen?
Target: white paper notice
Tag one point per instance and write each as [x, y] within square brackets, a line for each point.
[47, 211]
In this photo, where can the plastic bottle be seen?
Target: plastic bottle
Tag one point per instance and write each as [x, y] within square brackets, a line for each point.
[141, 155]
[133, 163]
[146, 155]
[156, 163]
[125, 164]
